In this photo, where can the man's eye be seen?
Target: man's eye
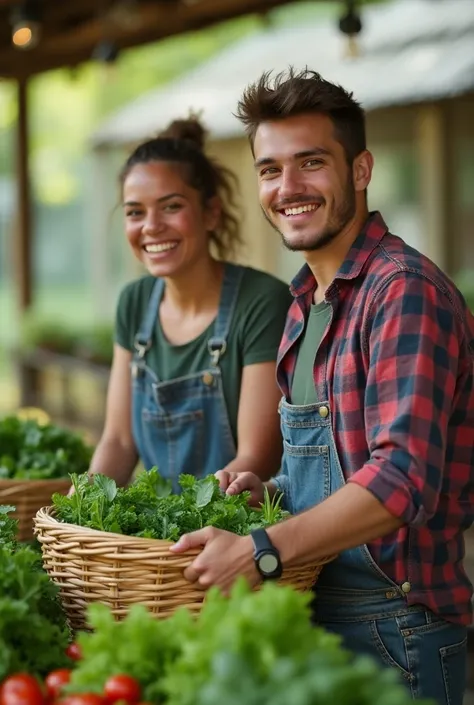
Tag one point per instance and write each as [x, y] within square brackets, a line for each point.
[313, 162]
[269, 171]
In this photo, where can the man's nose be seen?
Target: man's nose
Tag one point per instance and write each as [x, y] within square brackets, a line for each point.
[291, 184]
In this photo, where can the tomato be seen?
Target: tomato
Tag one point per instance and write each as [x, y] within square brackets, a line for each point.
[55, 682]
[81, 699]
[74, 652]
[122, 687]
[21, 689]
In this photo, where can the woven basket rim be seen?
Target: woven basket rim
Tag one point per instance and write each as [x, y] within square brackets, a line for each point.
[46, 515]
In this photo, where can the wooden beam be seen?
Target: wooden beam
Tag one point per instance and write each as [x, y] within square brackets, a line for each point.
[24, 222]
[73, 46]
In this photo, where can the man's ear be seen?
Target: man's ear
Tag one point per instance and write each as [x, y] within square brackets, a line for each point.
[362, 170]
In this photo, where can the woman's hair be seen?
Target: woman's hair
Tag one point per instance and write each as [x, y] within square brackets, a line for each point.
[182, 143]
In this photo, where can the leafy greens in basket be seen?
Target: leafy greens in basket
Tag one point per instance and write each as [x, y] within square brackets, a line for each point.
[31, 451]
[148, 509]
[33, 631]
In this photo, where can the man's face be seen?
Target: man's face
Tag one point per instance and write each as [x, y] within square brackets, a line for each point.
[306, 186]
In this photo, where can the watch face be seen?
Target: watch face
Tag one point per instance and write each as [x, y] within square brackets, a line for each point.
[268, 563]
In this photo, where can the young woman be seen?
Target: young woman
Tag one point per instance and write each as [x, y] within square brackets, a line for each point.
[192, 386]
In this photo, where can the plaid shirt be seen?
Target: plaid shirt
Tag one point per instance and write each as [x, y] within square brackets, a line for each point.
[396, 365]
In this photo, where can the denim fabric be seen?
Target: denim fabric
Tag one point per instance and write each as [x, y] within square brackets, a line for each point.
[181, 425]
[353, 596]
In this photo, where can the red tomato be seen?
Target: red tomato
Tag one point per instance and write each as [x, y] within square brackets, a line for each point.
[21, 689]
[74, 652]
[81, 699]
[55, 682]
[122, 687]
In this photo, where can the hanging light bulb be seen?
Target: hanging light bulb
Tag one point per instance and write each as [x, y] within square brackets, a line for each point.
[26, 25]
[350, 24]
[106, 53]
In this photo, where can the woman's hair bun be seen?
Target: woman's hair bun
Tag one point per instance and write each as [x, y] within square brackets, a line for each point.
[188, 130]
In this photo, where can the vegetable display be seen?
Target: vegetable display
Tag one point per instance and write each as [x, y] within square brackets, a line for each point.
[249, 649]
[33, 632]
[30, 451]
[148, 509]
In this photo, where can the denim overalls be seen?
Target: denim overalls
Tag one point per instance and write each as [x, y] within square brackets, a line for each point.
[182, 426]
[353, 597]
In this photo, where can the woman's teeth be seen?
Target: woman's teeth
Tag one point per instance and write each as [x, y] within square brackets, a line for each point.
[161, 247]
[300, 209]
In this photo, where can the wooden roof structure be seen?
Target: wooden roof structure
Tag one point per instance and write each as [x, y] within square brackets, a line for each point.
[72, 29]
[70, 32]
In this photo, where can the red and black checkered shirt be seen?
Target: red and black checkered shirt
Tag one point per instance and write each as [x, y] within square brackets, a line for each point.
[396, 365]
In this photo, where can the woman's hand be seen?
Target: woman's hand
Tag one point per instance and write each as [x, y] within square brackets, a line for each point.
[237, 482]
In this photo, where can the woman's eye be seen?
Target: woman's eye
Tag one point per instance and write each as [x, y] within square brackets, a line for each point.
[132, 213]
[173, 207]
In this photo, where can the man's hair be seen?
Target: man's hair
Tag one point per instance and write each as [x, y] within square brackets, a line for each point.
[293, 93]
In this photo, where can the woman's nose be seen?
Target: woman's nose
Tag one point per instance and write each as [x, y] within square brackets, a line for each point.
[153, 225]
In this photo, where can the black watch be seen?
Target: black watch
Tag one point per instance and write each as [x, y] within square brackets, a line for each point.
[266, 556]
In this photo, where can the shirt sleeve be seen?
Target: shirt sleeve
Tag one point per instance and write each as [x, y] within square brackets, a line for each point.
[413, 340]
[124, 319]
[264, 322]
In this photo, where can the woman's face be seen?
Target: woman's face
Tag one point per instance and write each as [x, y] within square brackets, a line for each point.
[165, 222]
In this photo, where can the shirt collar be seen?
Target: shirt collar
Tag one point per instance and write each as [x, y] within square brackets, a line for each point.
[363, 246]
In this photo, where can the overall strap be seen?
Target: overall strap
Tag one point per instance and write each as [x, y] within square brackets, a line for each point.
[143, 338]
[230, 292]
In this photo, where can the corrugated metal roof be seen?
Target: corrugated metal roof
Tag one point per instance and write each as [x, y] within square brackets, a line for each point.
[411, 51]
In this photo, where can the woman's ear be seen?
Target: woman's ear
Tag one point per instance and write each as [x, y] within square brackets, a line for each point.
[212, 214]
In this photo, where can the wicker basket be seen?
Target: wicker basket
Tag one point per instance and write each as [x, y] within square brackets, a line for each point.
[28, 496]
[119, 571]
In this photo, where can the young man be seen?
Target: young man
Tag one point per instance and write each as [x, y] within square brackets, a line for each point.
[377, 415]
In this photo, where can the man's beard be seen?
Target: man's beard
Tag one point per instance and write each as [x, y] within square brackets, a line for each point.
[342, 213]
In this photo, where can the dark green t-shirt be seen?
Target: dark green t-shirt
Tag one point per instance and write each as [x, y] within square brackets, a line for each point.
[303, 390]
[254, 337]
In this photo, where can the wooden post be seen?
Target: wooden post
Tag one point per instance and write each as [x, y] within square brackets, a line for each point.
[436, 182]
[24, 221]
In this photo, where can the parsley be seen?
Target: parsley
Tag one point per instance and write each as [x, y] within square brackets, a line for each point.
[31, 451]
[148, 509]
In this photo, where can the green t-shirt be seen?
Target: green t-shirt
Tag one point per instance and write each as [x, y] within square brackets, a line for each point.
[303, 390]
[254, 336]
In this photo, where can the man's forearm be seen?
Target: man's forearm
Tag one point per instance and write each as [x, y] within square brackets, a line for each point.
[350, 517]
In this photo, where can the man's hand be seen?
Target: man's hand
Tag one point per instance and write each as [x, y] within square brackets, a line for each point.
[237, 482]
[225, 557]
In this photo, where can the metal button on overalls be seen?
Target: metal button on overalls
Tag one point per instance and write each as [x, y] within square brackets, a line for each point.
[323, 411]
[406, 587]
[208, 378]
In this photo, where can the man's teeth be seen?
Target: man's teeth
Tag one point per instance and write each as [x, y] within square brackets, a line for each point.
[162, 247]
[300, 209]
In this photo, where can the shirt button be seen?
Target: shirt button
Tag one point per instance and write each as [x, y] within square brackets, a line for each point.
[406, 587]
[323, 411]
[208, 378]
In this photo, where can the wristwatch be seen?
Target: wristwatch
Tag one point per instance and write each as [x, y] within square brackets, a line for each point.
[266, 556]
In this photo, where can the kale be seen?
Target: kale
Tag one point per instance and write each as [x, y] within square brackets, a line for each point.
[33, 631]
[148, 509]
[253, 648]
